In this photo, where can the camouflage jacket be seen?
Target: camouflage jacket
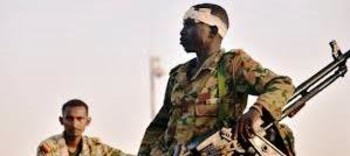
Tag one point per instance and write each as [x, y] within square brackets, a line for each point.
[56, 146]
[192, 105]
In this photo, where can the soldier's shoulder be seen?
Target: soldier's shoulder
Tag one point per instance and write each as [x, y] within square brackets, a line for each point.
[52, 139]
[93, 140]
[229, 55]
[178, 67]
[49, 144]
[235, 52]
[103, 147]
[175, 69]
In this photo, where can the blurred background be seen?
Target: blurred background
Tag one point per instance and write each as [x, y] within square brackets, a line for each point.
[100, 51]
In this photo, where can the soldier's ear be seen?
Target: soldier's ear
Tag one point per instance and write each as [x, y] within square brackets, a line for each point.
[61, 120]
[88, 121]
[213, 31]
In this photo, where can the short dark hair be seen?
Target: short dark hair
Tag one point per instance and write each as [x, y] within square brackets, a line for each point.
[75, 103]
[215, 10]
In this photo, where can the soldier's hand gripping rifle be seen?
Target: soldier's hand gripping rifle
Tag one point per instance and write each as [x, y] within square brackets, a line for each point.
[217, 142]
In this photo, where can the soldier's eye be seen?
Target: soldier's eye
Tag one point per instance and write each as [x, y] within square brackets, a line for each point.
[189, 22]
[69, 118]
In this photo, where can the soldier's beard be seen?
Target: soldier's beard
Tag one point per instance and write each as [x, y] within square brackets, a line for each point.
[73, 133]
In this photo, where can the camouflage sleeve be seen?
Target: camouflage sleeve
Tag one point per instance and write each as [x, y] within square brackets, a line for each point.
[96, 147]
[155, 131]
[110, 151]
[46, 148]
[273, 90]
[40, 151]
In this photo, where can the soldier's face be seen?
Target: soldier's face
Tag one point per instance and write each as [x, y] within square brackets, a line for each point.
[194, 36]
[75, 120]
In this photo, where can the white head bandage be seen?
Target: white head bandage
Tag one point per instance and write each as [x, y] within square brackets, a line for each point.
[204, 15]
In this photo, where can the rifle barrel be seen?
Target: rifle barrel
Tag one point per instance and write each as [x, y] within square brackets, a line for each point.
[319, 75]
[341, 61]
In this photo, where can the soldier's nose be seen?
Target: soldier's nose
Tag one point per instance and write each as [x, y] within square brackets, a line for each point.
[183, 32]
[75, 123]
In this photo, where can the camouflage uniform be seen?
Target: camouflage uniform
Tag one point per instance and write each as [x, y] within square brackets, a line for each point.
[192, 106]
[56, 146]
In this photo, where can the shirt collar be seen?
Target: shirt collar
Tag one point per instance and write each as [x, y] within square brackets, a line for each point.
[209, 64]
[85, 149]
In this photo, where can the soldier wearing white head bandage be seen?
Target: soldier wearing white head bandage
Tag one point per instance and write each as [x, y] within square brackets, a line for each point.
[204, 15]
[211, 90]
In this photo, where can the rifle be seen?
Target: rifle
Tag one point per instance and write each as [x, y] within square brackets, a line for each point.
[213, 143]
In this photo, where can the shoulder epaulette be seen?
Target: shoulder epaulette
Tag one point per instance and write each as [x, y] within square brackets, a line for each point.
[172, 71]
[228, 55]
[94, 140]
[234, 51]
[238, 51]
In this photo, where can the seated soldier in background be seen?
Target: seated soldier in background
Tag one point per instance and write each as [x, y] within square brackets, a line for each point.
[75, 118]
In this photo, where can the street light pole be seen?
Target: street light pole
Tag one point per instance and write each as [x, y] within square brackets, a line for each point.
[155, 72]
